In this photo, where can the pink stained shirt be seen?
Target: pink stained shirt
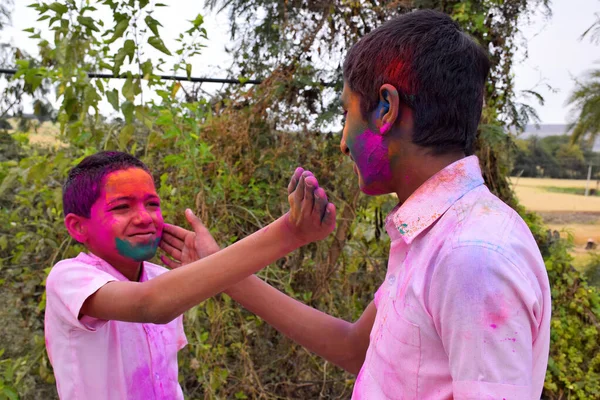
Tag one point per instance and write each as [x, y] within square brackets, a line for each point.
[464, 312]
[99, 359]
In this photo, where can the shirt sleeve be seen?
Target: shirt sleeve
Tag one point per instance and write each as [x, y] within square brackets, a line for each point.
[484, 310]
[181, 338]
[68, 286]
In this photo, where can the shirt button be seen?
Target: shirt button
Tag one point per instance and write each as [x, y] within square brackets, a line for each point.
[391, 279]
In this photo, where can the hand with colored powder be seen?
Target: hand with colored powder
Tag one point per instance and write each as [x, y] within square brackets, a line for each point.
[311, 216]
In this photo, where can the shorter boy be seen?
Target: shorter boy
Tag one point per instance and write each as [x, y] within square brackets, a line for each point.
[113, 322]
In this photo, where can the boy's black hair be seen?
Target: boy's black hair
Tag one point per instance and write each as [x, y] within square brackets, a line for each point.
[438, 70]
[84, 182]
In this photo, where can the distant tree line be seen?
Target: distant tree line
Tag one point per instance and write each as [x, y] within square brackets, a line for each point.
[554, 157]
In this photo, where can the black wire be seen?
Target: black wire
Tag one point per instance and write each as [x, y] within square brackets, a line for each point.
[9, 71]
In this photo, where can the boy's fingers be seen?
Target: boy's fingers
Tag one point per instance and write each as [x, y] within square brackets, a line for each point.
[299, 192]
[170, 263]
[295, 179]
[329, 219]
[172, 240]
[170, 250]
[320, 204]
[195, 221]
[309, 196]
[176, 231]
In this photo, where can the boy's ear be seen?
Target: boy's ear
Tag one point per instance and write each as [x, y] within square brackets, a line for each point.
[77, 227]
[389, 108]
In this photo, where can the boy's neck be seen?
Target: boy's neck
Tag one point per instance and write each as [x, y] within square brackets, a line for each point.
[130, 270]
[417, 167]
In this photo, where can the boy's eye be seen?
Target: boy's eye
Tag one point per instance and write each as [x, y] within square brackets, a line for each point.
[120, 207]
[154, 204]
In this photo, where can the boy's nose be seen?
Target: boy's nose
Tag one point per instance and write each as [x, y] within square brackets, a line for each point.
[143, 217]
[344, 147]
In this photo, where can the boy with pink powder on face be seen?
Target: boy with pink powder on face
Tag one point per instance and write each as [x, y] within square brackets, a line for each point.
[113, 321]
[464, 311]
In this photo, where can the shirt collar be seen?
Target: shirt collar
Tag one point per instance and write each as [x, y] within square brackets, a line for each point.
[433, 198]
[92, 259]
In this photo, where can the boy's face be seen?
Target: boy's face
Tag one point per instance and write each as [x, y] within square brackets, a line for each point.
[125, 224]
[367, 148]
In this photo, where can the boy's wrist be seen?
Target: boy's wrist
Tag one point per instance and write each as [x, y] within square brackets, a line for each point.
[289, 233]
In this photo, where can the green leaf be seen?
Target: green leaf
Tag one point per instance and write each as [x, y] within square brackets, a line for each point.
[158, 44]
[113, 98]
[100, 85]
[175, 89]
[119, 59]
[120, 28]
[125, 135]
[146, 69]
[10, 393]
[58, 8]
[129, 47]
[188, 70]
[88, 22]
[199, 20]
[141, 113]
[128, 108]
[160, 5]
[144, 3]
[131, 88]
[29, 30]
[152, 24]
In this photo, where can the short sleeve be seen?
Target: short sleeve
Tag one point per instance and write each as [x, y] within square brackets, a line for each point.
[483, 309]
[68, 285]
[181, 338]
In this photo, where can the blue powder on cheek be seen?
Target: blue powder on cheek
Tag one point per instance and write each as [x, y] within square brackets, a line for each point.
[137, 252]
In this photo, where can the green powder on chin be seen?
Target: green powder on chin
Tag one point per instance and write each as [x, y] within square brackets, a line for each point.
[137, 252]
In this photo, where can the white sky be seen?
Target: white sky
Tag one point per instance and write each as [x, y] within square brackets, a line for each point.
[555, 54]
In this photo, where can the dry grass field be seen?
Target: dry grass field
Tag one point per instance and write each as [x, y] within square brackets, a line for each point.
[571, 214]
[44, 134]
[532, 194]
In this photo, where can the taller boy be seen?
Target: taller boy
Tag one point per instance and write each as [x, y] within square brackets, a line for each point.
[464, 311]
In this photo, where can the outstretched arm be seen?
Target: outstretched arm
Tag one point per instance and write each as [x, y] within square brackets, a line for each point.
[165, 297]
[340, 342]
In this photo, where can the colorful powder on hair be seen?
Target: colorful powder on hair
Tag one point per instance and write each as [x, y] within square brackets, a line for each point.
[137, 252]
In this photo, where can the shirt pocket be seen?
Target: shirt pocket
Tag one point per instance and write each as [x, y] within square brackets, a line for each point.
[396, 356]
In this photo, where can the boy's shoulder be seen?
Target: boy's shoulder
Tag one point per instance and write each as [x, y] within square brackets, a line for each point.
[81, 260]
[82, 268]
[485, 220]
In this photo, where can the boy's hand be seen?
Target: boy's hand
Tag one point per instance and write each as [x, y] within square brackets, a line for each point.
[311, 217]
[186, 246]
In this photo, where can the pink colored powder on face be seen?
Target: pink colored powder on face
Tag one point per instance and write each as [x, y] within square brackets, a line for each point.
[372, 158]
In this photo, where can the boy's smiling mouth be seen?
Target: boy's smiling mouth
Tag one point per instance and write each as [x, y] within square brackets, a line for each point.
[143, 235]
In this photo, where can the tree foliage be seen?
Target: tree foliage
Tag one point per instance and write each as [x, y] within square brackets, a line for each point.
[229, 158]
[585, 99]
[552, 157]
